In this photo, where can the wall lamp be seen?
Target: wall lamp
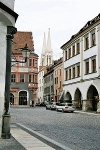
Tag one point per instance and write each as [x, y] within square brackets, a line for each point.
[25, 53]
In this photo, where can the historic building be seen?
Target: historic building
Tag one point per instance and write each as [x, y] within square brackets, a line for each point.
[45, 60]
[81, 54]
[58, 80]
[53, 75]
[24, 76]
[48, 78]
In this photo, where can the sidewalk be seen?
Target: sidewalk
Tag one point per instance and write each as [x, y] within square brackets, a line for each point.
[23, 138]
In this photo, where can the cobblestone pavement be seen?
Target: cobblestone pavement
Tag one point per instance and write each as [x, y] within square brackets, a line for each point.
[74, 130]
[10, 144]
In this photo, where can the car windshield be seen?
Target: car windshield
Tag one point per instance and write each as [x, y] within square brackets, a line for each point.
[69, 104]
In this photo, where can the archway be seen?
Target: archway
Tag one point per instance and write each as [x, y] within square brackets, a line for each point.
[11, 99]
[78, 98]
[93, 96]
[68, 98]
[22, 98]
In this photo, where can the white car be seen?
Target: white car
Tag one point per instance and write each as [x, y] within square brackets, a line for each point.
[65, 107]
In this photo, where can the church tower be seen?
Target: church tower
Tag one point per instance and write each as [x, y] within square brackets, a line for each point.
[47, 53]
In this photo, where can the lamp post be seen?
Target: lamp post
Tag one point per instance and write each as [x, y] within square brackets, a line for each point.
[6, 116]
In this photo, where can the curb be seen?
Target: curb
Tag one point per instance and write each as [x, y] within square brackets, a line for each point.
[44, 139]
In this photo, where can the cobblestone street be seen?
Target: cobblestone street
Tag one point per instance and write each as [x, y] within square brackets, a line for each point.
[75, 130]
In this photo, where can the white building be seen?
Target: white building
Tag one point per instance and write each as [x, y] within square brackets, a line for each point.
[45, 60]
[82, 67]
[7, 23]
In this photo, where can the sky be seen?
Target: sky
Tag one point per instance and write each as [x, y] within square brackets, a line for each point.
[64, 18]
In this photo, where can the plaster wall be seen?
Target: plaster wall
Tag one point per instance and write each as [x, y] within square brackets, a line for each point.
[3, 31]
[5, 20]
[8, 3]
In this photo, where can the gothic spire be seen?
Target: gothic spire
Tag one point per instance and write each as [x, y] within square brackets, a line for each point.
[49, 42]
[44, 45]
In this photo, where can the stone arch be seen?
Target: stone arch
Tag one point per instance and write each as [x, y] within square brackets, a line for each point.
[78, 98]
[11, 99]
[23, 97]
[92, 97]
[68, 97]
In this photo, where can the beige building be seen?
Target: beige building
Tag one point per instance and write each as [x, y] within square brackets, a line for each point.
[58, 80]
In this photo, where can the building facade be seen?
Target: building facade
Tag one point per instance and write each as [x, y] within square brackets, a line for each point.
[48, 94]
[24, 76]
[58, 80]
[81, 65]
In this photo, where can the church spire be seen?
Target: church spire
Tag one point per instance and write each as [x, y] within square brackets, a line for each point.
[47, 53]
[49, 42]
[44, 45]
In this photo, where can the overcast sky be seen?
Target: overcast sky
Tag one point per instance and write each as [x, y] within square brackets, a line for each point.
[63, 17]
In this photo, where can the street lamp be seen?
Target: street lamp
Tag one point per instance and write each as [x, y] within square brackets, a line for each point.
[6, 115]
[25, 53]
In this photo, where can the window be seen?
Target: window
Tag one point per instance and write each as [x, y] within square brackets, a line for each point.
[73, 72]
[13, 77]
[78, 71]
[33, 63]
[60, 84]
[33, 78]
[60, 72]
[73, 54]
[65, 55]
[66, 75]
[29, 77]
[78, 48]
[69, 73]
[93, 39]
[94, 65]
[87, 67]
[21, 77]
[70, 53]
[86, 43]
[55, 80]
[30, 62]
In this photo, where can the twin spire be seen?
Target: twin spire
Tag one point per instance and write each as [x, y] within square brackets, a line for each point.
[46, 48]
[47, 53]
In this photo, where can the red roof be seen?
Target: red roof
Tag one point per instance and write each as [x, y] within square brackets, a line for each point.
[22, 38]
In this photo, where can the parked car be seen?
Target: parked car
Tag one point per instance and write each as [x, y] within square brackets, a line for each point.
[48, 105]
[54, 104]
[65, 107]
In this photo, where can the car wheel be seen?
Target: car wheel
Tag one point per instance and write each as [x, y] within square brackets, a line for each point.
[46, 108]
[62, 110]
[56, 109]
[72, 111]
